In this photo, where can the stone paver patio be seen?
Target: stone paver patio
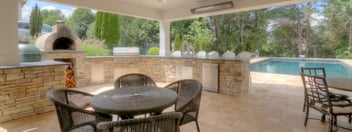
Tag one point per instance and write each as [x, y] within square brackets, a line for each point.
[273, 104]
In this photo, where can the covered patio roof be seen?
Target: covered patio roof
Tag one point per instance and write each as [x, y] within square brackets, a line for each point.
[171, 10]
[164, 11]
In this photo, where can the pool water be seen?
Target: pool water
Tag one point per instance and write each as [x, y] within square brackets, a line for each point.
[333, 68]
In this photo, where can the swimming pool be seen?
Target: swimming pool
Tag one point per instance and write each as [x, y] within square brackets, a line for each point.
[333, 68]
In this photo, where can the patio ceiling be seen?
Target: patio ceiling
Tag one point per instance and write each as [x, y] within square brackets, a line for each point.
[171, 10]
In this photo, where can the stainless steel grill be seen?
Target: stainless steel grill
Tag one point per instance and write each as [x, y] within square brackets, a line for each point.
[126, 51]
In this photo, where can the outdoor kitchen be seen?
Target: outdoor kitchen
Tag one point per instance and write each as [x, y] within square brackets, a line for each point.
[23, 87]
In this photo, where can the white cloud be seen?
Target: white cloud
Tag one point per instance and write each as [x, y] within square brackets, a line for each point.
[26, 12]
[318, 19]
[48, 8]
[27, 9]
[66, 12]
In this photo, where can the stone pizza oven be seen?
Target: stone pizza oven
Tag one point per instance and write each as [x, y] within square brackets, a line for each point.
[62, 44]
[62, 38]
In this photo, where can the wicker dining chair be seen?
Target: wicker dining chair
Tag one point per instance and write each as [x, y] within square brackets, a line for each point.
[166, 122]
[319, 98]
[321, 73]
[189, 94]
[73, 110]
[134, 79]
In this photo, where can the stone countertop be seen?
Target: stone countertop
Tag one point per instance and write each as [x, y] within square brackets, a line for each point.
[155, 56]
[65, 51]
[36, 64]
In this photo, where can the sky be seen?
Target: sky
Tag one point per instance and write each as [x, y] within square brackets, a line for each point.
[27, 8]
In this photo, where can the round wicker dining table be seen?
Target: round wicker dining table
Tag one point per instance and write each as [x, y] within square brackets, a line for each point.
[134, 100]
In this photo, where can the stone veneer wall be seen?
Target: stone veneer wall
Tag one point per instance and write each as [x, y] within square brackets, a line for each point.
[23, 90]
[108, 69]
[233, 74]
[78, 58]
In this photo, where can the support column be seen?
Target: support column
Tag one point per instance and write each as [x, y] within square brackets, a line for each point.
[8, 33]
[164, 38]
[19, 11]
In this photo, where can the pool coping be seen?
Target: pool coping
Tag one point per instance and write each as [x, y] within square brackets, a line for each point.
[261, 59]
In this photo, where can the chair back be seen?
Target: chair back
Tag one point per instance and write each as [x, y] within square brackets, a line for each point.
[166, 122]
[317, 92]
[70, 108]
[189, 92]
[314, 71]
[134, 79]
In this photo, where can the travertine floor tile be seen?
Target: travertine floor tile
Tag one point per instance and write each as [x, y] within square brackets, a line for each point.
[273, 104]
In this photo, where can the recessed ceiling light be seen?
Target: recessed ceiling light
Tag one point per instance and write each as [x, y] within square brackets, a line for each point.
[162, 0]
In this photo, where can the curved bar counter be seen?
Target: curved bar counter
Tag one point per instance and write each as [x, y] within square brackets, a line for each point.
[23, 87]
[233, 75]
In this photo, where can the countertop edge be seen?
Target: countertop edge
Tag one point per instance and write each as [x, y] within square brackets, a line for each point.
[35, 64]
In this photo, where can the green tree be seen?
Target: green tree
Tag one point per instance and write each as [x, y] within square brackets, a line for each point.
[80, 21]
[107, 28]
[153, 51]
[177, 43]
[341, 10]
[307, 33]
[97, 24]
[289, 30]
[138, 32]
[90, 31]
[180, 27]
[338, 30]
[51, 16]
[239, 31]
[224, 31]
[94, 47]
[110, 29]
[200, 35]
[344, 53]
[103, 25]
[35, 21]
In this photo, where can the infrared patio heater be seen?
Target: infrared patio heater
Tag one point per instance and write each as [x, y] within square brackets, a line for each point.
[212, 7]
